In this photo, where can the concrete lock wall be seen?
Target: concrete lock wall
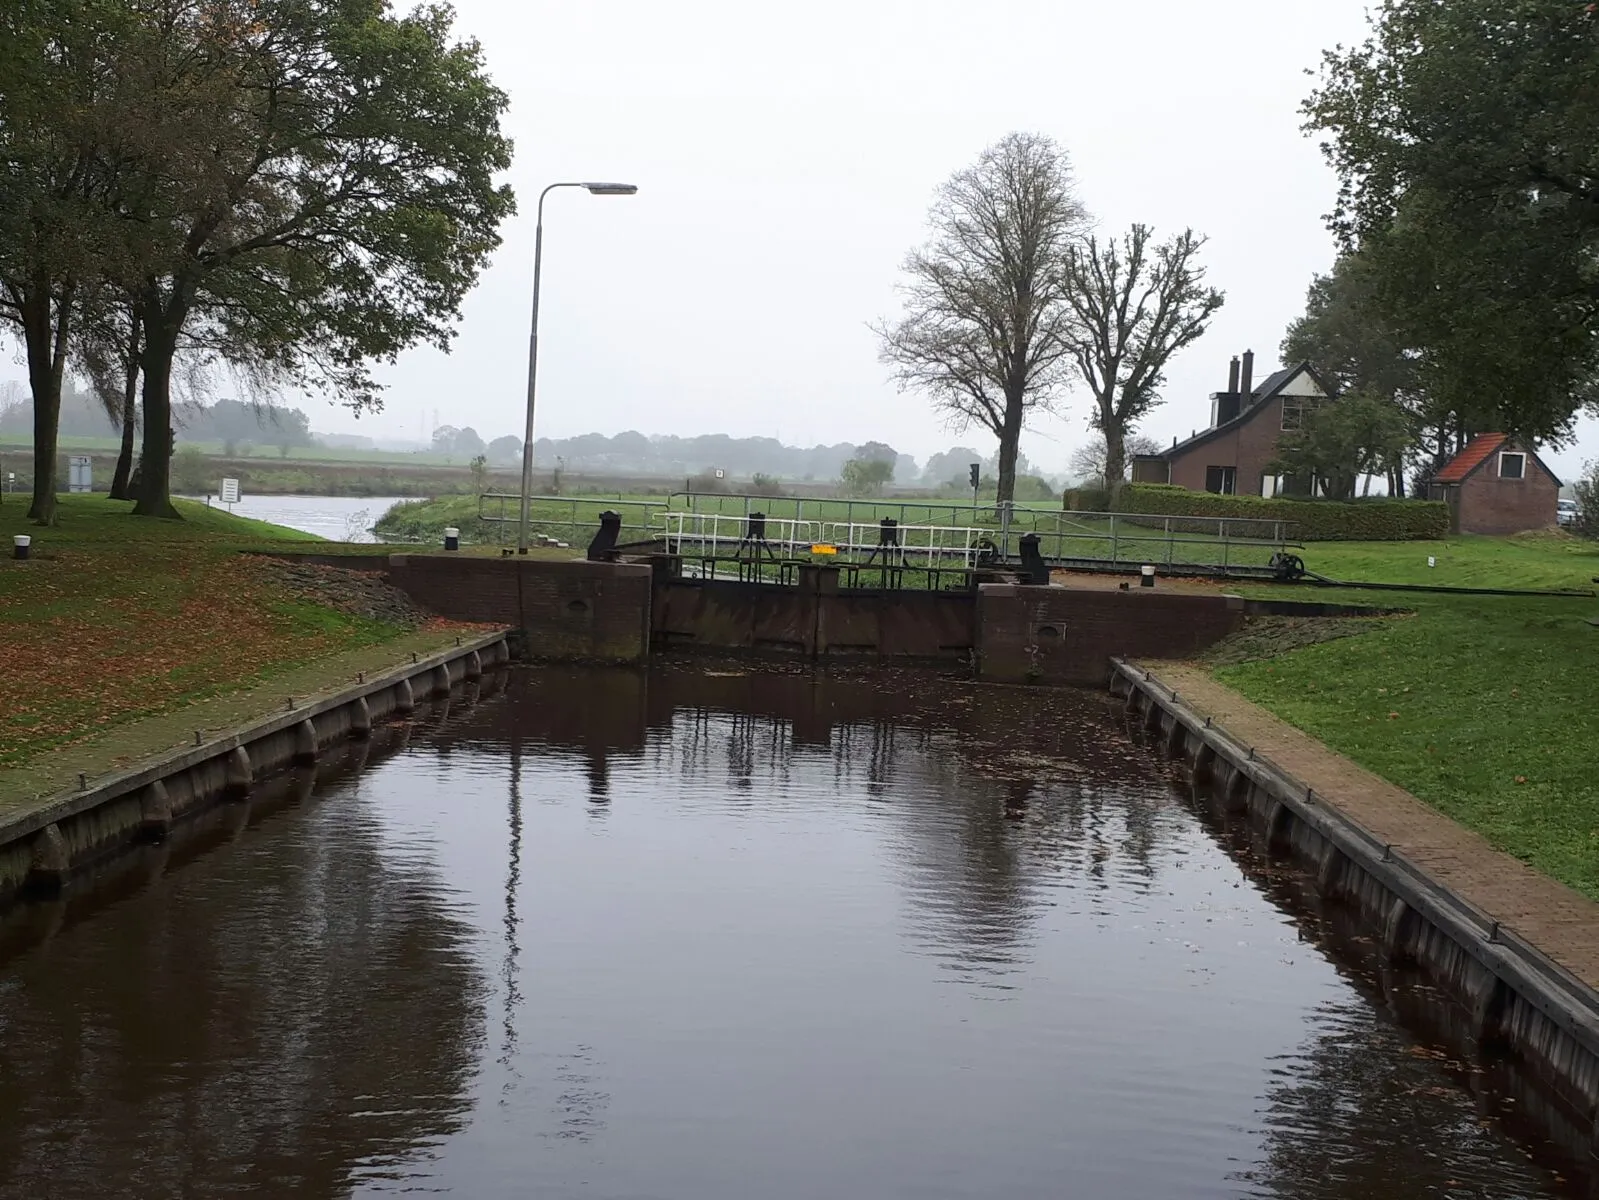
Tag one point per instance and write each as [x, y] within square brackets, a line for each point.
[813, 620]
[565, 609]
[618, 612]
[1506, 993]
[43, 847]
[1054, 635]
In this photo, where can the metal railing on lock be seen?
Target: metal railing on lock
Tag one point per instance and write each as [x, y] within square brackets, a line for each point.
[892, 544]
[1120, 540]
[721, 535]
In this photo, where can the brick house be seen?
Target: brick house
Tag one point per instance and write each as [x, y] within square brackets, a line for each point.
[1245, 424]
[1496, 485]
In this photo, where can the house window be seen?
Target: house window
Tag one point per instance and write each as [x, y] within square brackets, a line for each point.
[1223, 480]
[1512, 466]
[1270, 485]
[1293, 414]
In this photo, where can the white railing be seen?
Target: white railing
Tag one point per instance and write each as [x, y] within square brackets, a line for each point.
[918, 545]
[717, 535]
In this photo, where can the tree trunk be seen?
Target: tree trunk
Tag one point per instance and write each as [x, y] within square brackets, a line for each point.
[155, 460]
[130, 413]
[1115, 455]
[45, 342]
[1010, 440]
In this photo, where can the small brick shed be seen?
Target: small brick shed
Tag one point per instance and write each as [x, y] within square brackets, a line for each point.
[1497, 484]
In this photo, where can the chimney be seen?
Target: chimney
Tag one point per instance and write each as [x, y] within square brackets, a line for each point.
[1246, 385]
[1232, 375]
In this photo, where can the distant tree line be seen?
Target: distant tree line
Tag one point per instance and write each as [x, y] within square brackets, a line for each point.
[232, 423]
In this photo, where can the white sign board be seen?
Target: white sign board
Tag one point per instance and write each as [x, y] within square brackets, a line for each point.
[230, 491]
[80, 476]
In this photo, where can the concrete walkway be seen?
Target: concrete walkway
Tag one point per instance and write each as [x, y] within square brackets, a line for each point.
[126, 747]
[1563, 924]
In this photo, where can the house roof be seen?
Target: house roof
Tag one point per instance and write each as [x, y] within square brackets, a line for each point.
[1478, 451]
[1268, 387]
[1274, 382]
[1469, 459]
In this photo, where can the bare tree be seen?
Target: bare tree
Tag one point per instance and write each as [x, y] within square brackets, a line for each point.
[1088, 460]
[984, 331]
[1133, 305]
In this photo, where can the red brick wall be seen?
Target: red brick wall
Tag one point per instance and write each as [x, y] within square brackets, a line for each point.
[1066, 636]
[1489, 504]
[568, 610]
[1248, 447]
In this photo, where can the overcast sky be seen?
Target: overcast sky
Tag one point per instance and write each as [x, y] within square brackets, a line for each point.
[785, 157]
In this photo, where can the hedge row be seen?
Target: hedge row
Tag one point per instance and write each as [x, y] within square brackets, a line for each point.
[1312, 520]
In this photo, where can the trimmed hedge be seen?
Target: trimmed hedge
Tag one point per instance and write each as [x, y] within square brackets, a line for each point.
[1379, 520]
[1085, 499]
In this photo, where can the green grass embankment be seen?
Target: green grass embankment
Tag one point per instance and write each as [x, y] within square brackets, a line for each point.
[117, 618]
[1486, 707]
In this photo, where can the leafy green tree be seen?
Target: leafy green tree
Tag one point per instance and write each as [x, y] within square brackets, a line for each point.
[1133, 305]
[345, 203]
[1347, 336]
[1466, 139]
[505, 450]
[1342, 440]
[1587, 490]
[866, 476]
[55, 70]
[107, 349]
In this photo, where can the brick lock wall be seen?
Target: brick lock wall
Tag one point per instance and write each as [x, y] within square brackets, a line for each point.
[1489, 504]
[1249, 448]
[1063, 636]
[568, 610]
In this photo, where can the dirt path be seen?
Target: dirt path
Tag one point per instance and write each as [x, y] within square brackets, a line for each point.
[1560, 922]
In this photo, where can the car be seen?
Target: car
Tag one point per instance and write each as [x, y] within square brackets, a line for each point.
[1566, 512]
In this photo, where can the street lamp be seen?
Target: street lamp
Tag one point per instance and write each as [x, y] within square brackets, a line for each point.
[597, 189]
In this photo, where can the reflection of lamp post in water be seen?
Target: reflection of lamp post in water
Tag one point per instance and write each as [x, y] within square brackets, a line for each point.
[597, 189]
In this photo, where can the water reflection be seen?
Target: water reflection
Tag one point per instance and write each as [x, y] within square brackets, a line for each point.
[284, 1017]
[712, 933]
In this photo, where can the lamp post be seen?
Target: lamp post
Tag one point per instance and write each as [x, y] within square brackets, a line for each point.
[597, 189]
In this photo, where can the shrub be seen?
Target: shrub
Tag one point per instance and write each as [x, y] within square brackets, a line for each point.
[192, 473]
[1380, 520]
[1085, 499]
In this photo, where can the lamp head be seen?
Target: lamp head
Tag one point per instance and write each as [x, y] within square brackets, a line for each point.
[612, 189]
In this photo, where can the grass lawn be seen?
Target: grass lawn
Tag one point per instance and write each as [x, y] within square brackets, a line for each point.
[117, 618]
[1483, 706]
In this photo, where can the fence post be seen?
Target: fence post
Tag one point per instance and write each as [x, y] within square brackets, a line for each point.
[1114, 555]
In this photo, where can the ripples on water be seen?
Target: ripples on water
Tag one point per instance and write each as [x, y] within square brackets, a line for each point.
[713, 934]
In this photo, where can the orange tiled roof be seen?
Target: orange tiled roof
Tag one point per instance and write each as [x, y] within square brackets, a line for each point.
[1479, 448]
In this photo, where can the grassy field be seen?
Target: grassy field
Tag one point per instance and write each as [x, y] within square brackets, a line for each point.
[115, 618]
[1483, 706]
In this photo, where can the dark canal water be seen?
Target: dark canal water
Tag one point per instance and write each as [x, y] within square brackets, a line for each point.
[710, 935]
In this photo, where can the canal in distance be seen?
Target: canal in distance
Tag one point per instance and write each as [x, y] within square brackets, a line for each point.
[710, 932]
